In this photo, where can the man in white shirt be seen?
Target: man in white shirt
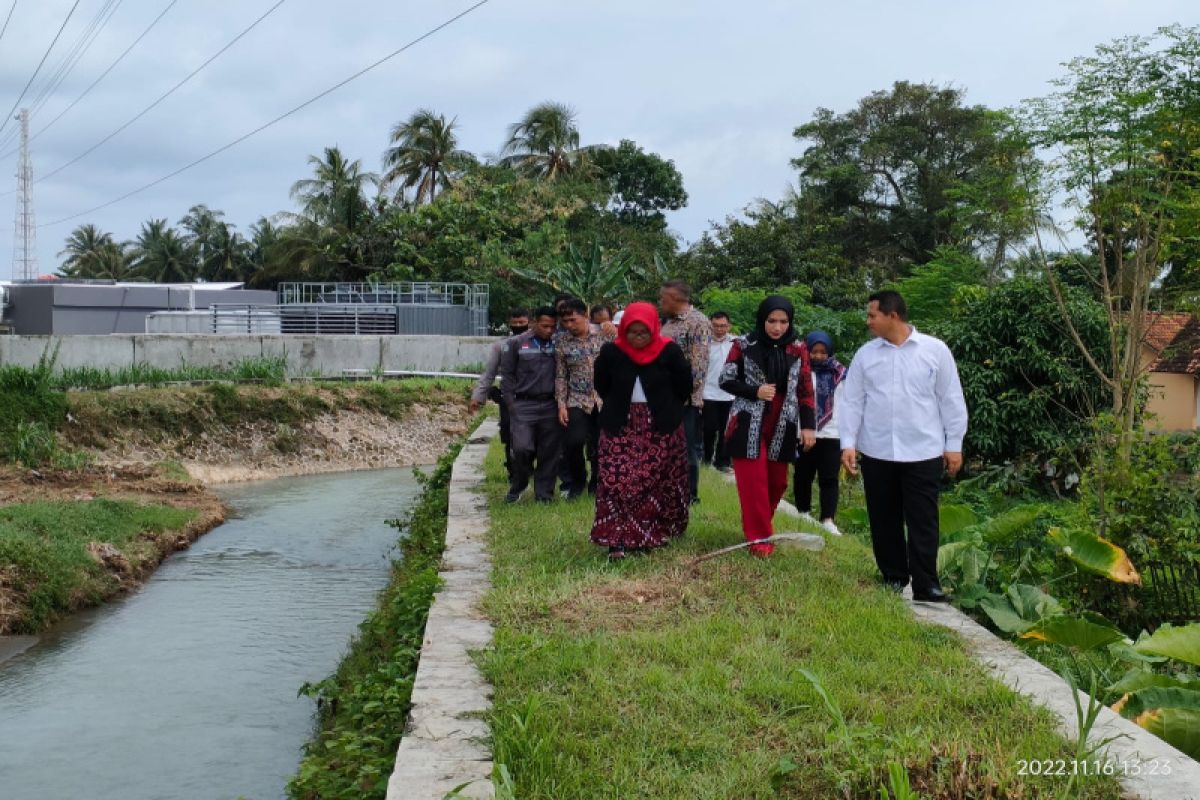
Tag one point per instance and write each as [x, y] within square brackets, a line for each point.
[716, 401]
[902, 409]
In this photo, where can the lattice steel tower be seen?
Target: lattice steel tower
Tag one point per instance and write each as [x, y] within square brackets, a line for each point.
[25, 264]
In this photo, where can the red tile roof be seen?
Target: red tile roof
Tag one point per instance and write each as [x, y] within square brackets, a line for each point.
[1175, 337]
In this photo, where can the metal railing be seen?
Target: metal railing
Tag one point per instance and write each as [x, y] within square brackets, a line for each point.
[312, 319]
[470, 295]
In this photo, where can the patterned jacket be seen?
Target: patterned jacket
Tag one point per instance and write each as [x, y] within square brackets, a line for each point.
[753, 422]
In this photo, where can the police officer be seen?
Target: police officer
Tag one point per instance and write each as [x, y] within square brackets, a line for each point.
[527, 372]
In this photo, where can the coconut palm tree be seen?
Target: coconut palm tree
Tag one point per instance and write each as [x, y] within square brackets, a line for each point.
[161, 255]
[425, 155]
[92, 253]
[335, 196]
[545, 143]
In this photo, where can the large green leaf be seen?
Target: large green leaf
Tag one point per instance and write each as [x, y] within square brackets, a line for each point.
[1096, 555]
[1018, 609]
[953, 518]
[1154, 697]
[1003, 528]
[1080, 634]
[1178, 727]
[1137, 679]
[1182, 644]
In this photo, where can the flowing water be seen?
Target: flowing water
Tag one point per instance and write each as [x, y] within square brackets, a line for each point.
[187, 689]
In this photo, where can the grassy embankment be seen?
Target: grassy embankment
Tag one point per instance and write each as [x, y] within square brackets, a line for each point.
[94, 532]
[653, 679]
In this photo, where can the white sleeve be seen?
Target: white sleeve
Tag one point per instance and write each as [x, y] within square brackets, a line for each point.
[849, 409]
[951, 404]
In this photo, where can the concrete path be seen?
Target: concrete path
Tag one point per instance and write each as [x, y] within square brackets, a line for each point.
[445, 746]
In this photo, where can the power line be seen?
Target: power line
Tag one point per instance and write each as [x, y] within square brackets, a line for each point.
[8, 19]
[163, 96]
[9, 115]
[69, 61]
[103, 75]
[276, 120]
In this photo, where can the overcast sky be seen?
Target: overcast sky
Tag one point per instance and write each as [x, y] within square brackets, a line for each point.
[717, 87]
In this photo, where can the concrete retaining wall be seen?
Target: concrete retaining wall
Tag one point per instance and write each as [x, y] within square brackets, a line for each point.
[306, 355]
[445, 742]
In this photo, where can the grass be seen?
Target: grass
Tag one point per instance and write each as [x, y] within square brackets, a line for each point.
[272, 371]
[189, 412]
[650, 679]
[44, 555]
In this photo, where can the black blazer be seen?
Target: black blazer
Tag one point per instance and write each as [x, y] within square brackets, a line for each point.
[667, 382]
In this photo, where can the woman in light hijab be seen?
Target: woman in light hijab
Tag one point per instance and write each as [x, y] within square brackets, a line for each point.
[773, 414]
[824, 460]
[643, 380]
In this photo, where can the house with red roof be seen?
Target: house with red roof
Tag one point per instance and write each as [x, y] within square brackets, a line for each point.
[1171, 352]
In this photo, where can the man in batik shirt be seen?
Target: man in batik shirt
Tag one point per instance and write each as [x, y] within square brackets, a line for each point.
[692, 331]
[575, 349]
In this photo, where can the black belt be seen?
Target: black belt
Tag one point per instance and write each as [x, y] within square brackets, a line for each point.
[528, 396]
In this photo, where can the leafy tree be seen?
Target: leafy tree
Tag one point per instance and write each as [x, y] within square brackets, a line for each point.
[161, 255]
[424, 155]
[913, 169]
[221, 253]
[931, 290]
[1029, 390]
[545, 143]
[641, 185]
[1124, 122]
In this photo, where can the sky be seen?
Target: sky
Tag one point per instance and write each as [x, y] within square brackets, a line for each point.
[716, 87]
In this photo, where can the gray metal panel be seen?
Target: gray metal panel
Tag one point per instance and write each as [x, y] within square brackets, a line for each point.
[427, 320]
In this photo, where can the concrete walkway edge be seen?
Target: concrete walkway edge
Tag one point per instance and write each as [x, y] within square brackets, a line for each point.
[445, 742]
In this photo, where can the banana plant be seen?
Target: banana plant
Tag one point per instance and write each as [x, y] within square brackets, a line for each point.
[593, 278]
[1096, 555]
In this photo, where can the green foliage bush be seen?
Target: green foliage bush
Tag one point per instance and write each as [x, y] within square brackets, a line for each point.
[848, 328]
[363, 706]
[1030, 393]
[30, 410]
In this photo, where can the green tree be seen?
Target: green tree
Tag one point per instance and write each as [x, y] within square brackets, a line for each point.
[1124, 122]
[594, 277]
[545, 143]
[92, 253]
[932, 289]
[641, 185]
[161, 255]
[221, 253]
[336, 194]
[913, 169]
[424, 155]
[1030, 392]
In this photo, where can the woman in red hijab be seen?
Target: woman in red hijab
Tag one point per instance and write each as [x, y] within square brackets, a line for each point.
[643, 381]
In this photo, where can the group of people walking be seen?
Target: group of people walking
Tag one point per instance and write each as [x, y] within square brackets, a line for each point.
[627, 407]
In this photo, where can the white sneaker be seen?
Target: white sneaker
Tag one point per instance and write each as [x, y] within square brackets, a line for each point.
[830, 526]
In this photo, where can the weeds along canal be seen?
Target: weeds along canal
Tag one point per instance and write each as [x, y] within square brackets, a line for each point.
[188, 688]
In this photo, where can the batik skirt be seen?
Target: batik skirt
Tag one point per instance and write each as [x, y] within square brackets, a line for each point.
[642, 497]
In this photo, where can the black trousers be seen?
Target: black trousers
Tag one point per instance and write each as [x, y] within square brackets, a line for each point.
[537, 439]
[582, 436]
[824, 462]
[904, 495]
[716, 417]
[693, 430]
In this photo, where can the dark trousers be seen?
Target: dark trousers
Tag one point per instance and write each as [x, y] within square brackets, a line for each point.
[693, 429]
[536, 439]
[582, 435]
[904, 495]
[824, 462]
[716, 418]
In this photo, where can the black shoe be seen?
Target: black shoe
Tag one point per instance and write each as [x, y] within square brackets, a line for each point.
[512, 497]
[616, 553]
[544, 500]
[896, 586]
[695, 501]
[934, 595]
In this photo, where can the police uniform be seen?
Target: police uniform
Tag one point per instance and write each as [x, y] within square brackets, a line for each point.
[527, 372]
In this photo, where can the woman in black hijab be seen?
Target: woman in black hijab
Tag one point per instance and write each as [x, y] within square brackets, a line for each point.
[773, 412]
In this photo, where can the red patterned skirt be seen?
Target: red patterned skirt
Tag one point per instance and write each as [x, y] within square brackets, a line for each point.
[642, 497]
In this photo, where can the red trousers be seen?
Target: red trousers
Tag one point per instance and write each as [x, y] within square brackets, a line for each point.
[760, 484]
